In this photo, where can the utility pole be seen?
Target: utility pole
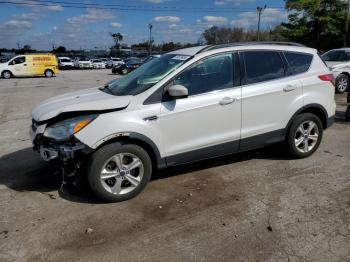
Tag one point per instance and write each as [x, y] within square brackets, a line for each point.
[150, 26]
[260, 10]
[347, 26]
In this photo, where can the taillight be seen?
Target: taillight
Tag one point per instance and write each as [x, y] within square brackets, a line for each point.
[328, 77]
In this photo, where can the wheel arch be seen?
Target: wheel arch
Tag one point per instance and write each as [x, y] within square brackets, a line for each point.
[5, 71]
[315, 109]
[345, 73]
[140, 140]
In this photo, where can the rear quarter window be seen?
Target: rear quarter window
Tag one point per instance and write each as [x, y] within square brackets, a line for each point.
[298, 62]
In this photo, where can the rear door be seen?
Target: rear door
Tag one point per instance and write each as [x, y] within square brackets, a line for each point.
[269, 97]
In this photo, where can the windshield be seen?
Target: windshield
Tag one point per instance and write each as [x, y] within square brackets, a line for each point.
[146, 75]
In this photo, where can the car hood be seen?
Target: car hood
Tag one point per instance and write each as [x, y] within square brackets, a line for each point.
[91, 99]
[336, 64]
[339, 66]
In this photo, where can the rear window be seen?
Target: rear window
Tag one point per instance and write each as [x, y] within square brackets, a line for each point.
[262, 66]
[298, 62]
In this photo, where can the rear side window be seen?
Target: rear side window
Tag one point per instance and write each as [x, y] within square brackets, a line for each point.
[262, 66]
[297, 62]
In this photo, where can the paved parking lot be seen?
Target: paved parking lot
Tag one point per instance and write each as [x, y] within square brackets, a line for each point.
[256, 206]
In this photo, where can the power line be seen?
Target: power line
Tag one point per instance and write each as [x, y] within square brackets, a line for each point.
[130, 7]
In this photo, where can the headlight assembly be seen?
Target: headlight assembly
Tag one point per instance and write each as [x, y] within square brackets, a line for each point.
[65, 129]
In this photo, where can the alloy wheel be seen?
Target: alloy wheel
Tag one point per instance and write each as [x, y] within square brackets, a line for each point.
[122, 173]
[342, 84]
[306, 136]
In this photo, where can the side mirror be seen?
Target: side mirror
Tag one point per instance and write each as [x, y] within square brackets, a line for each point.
[178, 91]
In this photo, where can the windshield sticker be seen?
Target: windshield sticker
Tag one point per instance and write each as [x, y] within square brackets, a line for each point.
[181, 57]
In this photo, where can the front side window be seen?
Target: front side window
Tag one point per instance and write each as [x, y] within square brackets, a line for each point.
[262, 66]
[147, 75]
[18, 60]
[297, 62]
[210, 74]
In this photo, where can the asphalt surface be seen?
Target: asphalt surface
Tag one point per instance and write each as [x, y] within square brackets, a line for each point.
[256, 206]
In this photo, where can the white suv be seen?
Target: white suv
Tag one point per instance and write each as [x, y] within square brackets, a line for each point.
[187, 105]
[338, 61]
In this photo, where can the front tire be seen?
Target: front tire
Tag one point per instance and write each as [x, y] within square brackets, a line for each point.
[119, 171]
[342, 83]
[6, 74]
[304, 135]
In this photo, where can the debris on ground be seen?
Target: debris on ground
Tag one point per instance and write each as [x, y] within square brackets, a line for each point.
[89, 231]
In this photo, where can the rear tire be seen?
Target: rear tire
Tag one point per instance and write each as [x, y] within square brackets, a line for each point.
[342, 84]
[6, 74]
[49, 73]
[128, 169]
[304, 135]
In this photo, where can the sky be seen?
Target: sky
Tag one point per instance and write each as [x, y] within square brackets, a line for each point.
[86, 24]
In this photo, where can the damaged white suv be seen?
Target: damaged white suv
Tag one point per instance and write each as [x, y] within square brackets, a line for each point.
[187, 105]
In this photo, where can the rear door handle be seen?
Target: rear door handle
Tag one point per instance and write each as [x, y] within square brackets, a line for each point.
[289, 88]
[227, 100]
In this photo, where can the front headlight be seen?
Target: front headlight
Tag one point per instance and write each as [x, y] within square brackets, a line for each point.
[65, 129]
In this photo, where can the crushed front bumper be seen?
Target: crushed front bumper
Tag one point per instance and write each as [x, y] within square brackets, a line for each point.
[63, 152]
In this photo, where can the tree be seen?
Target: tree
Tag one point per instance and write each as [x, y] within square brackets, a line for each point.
[117, 37]
[60, 49]
[223, 35]
[316, 23]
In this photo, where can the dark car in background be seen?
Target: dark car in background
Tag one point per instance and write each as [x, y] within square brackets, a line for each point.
[130, 65]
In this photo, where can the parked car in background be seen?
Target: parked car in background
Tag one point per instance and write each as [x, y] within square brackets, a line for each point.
[127, 67]
[191, 104]
[30, 65]
[114, 61]
[65, 63]
[338, 60]
[98, 64]
[83, 63]
[104, 60]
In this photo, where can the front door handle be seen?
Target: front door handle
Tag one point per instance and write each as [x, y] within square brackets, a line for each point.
[289, 88]
[227, 100]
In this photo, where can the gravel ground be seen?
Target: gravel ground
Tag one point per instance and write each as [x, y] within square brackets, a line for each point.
[256, 206]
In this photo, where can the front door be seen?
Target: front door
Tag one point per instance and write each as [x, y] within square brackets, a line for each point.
[207, 123]
[18, 66]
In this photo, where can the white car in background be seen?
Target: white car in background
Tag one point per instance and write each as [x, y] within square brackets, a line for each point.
[114, 61]
[65, 63]
[83, 63]
[98, 64]
[338, 60]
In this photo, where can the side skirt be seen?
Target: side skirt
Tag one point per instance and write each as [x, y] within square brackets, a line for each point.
[245, 144]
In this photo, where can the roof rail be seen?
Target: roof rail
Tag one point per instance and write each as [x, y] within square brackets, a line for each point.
[213, 47]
